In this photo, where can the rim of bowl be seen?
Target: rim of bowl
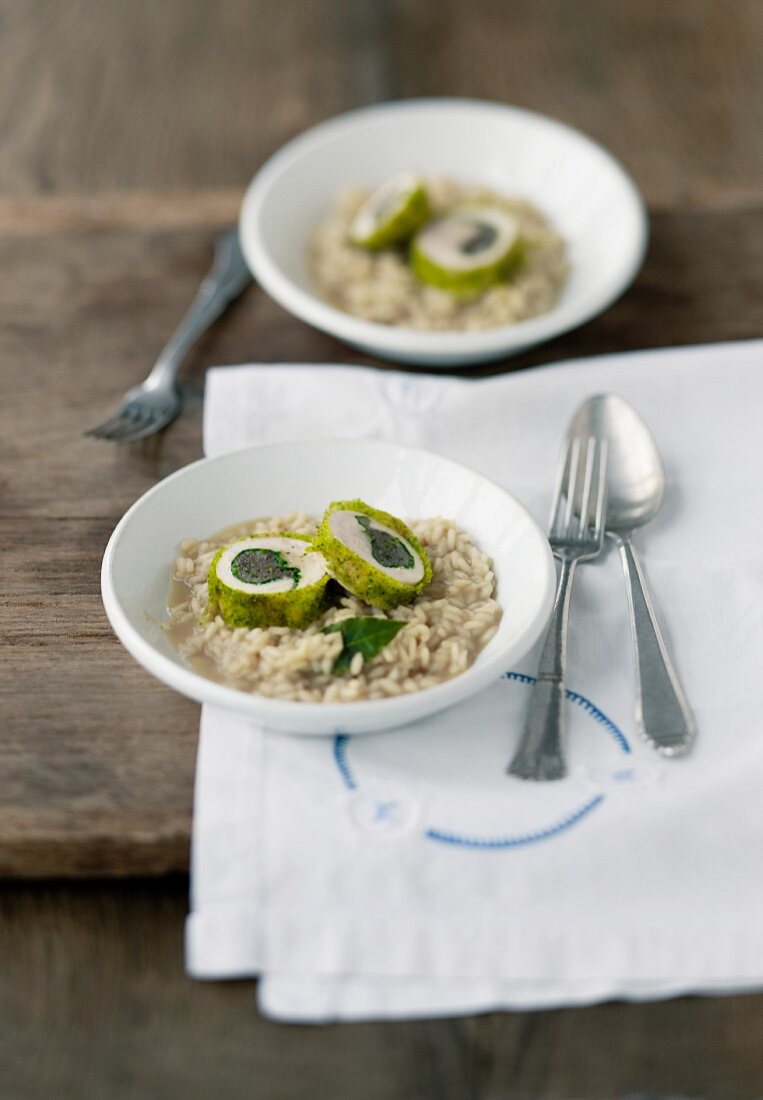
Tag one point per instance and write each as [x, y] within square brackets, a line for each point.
[310, 308]
[365, 715]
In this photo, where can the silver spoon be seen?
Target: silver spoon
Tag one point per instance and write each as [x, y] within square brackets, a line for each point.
[636, 487]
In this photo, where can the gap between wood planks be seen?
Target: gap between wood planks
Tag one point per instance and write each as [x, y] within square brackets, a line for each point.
[146, 210]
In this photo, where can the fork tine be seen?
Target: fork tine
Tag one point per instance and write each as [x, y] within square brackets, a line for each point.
[126, 436]
[127, 414]
[133, 420]
[106, 426]
[154, 424]
[561, 469]
[135, 413]
[160, 418]
[114, 428]
[124, 415]
[105, 433]
[572, 482]
[590, 459]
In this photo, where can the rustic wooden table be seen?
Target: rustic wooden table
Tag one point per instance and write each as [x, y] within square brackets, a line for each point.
[129, 132]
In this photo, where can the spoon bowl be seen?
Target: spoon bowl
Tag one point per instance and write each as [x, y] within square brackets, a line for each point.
[635, 474]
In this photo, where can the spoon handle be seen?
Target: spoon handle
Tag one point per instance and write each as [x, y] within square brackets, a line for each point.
[662, 712]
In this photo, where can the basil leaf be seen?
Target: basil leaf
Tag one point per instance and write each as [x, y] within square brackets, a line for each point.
[366, 636]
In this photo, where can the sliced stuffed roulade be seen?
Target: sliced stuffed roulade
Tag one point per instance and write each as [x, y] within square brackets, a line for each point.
[269, 580]
[374, 555]
[392, 213]
[468, 250]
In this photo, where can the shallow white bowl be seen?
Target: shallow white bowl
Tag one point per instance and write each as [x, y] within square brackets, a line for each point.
[590, 199]
[276, 478]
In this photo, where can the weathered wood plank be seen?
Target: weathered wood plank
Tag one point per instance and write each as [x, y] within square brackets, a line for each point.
[99, 94]
[64, 370]
[674, 90]
[94, 1003]
[146, 211]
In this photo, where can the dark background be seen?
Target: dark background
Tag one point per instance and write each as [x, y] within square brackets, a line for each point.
[128, 129]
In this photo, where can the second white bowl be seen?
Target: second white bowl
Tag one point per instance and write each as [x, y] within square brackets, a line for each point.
[588, 196]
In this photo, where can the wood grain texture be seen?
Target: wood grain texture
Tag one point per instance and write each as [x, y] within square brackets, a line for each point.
[97, 94]
[94, 1004]
[672, 89]
[97, 758]
[102, 94]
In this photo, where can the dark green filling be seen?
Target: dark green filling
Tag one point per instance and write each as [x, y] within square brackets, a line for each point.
[483, 236]
[386, 549]
[260, 566]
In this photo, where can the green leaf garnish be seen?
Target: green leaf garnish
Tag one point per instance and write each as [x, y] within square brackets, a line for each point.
[366, 636]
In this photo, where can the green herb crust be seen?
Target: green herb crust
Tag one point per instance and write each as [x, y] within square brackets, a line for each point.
[358, 576]
[296, 608]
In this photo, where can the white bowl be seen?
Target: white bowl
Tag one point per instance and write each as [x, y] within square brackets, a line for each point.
[276, 478]
[588, 196]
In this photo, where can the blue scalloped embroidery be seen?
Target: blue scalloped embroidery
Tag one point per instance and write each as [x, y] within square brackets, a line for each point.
[584, 702]
[340, 755]
[520, 840]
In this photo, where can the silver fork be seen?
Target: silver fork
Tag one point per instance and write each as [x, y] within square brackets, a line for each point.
[576, 534]
[147, 408]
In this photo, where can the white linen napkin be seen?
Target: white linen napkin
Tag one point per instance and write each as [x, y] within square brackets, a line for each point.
[404, 873]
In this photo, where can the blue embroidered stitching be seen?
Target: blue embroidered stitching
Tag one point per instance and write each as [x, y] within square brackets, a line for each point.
[340, 755]
[519, 840]
[585, 703]
[341, 741]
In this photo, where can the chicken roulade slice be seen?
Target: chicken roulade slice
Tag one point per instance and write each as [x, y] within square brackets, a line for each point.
[467, 251]
[269, 580]
[392, 213]
[374, 555]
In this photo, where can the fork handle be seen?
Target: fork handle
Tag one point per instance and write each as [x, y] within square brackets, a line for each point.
[540, 754]
[226, 279]
[663, 716]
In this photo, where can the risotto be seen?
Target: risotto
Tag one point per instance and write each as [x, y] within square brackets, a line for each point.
[452, 619]
[379, 285]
